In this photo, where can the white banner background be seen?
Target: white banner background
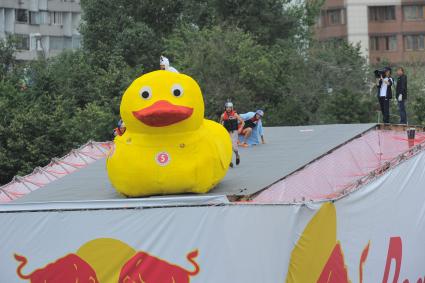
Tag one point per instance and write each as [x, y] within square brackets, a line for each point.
[236, 243]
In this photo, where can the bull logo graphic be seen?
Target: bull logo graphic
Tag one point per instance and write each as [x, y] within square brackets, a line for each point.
[69, 269]
[108, 260]
[317, 256]
[144, 268]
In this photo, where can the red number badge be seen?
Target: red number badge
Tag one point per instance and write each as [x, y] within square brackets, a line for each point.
[162, 158]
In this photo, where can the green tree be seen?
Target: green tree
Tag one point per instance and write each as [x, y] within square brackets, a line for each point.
[268, 20]
[68, 100]
[337, 68]
[416, 93]
[7, 59]
[226, 62]
[133, 30]
[10, 100]
[347, 107]
[293, 86]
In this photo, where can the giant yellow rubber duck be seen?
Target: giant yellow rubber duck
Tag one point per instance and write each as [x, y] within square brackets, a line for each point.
[168, 147]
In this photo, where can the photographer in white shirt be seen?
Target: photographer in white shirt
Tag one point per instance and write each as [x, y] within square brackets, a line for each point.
[384, 84]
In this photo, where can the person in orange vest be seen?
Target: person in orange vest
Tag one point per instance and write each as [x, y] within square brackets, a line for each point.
[231, 120]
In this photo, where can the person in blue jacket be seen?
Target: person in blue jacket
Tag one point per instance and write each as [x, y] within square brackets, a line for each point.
[252, 130]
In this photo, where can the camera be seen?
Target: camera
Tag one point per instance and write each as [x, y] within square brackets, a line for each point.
[381, 72]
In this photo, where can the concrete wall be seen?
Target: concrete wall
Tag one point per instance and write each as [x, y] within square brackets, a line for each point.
[357, 25]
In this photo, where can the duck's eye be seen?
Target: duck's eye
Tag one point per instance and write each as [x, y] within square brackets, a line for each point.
[177, 90]
[146, 92]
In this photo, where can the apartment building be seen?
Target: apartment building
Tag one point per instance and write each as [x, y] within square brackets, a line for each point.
[42, 27]
[387, 30]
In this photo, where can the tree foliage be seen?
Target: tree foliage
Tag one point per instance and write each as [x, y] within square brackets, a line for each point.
[266, 20]
[7, 59]
[416, 93]
[292, 87]
[66, 102]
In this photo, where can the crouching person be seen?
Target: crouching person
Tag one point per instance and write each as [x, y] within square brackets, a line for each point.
[252, 131]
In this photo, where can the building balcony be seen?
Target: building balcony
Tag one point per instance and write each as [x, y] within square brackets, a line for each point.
[417, 26]
[384, 27]
[44, 29]
[64, 6]
[26, 55]
[14, 4]
[414, 56]
[336, 31]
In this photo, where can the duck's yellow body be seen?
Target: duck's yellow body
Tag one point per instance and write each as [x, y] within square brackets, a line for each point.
[168, 147]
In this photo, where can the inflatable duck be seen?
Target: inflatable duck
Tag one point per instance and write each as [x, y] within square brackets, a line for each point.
[168, 146]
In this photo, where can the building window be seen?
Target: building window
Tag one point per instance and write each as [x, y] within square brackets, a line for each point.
[412, 13]
[322, 19]
[56, 18]
[383, 43]
[38, 18]
[381, 13]
[22, 41]
[334, 17]
[76, 42]
[21, 16]
[390, 43]
[414, 42]
[60, 42]
[374, 43]
[35, 18]
[319, 21]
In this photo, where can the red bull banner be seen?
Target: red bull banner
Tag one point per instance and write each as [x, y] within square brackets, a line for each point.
[376, 234]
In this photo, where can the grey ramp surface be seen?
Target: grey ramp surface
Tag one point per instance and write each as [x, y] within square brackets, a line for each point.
[88, 183]
[286, 149]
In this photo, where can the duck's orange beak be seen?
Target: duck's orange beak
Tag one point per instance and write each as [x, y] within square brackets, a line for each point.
[162, 113]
